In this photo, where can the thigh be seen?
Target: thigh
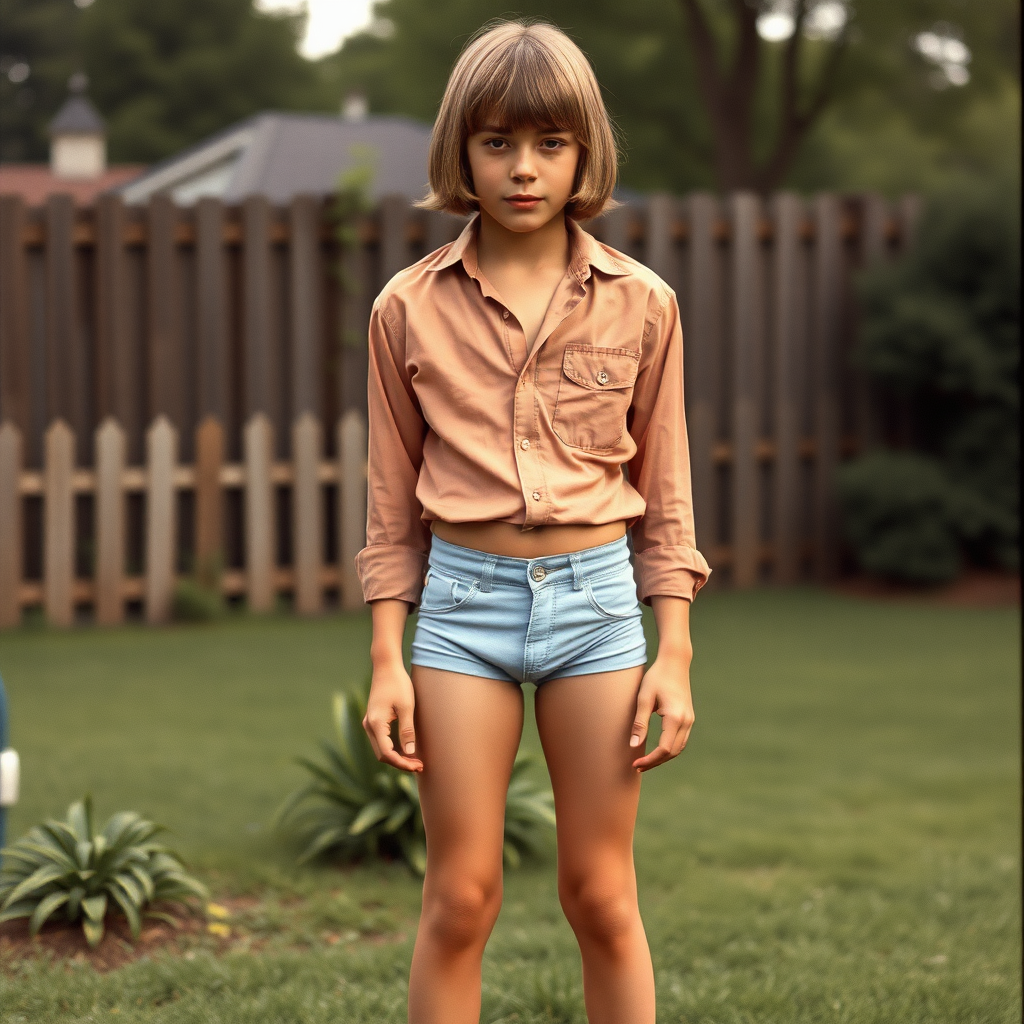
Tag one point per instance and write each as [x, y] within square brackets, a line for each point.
[467, 733]
[585, 723]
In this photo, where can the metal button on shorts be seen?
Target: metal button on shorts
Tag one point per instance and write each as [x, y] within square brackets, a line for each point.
[539, 572]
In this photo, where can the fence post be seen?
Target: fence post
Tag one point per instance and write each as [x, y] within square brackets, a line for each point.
[213, 372]
[702, 348]
[166, 391]
[14, 320]
[110, 522]
[258, 444]
[747, 322]
[789, 287]
[307, 517]
[161, 518]
[828, 324]
[305, 271]
[258, 320]
[10, 516]
[351, 504]
[65, 362]
[209, 561]
[59, 519]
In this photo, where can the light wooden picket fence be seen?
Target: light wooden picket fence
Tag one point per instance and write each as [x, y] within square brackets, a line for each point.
[109, 588]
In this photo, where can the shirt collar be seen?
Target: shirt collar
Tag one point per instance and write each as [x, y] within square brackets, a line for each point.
[584, 252]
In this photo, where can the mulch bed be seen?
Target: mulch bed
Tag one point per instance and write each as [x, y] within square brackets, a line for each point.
[975, 588]
[66, 941]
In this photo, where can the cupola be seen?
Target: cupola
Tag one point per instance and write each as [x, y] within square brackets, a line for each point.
[78, 146]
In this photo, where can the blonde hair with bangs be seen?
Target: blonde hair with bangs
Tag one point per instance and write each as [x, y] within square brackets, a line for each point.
[522, 75]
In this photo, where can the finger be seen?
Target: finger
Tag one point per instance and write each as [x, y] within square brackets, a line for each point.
[663, 751]
[384, 749]
[368, 729]
[682, 736]
[644, 707]
[406, 729]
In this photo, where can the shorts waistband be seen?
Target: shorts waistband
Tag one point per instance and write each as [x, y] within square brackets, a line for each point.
[571, 567]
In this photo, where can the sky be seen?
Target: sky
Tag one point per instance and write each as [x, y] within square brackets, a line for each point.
[330, 21]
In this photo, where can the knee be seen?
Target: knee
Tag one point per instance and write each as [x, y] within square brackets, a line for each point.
[460, 912]
[602, 911]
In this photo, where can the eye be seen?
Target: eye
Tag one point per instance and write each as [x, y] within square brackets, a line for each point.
[489, 143]
[556, 144]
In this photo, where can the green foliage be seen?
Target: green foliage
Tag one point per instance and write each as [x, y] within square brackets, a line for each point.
[356, 806]
[65, 865]
[886, 126]
[941, 336]
[168, 74]
[41, 34]
[193, 601]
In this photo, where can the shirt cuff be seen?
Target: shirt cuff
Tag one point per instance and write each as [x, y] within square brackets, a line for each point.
[391, 572]
[670, 570]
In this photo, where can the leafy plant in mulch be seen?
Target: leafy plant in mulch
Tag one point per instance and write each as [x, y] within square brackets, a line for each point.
[355, 806]
[67, 866]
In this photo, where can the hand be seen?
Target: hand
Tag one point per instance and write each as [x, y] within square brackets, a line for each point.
[665, 691]
[391, 697]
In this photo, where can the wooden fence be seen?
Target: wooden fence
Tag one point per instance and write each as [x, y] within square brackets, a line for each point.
[183, 389]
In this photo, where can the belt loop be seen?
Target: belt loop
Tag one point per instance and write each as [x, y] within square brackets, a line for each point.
[577, 571]
[488, 574]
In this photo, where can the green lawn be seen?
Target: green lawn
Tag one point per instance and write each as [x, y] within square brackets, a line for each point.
[840, 841]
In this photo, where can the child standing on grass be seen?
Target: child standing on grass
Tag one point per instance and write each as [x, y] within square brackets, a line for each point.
[513, 374]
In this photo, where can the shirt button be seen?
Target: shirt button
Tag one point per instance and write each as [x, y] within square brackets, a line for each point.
[602, 378]
[504, 315]
[524, 444]
[536, 495]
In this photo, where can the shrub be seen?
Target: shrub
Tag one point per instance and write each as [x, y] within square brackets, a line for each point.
[356, 806]
[65, 865]
[940, 335]
[194, 602]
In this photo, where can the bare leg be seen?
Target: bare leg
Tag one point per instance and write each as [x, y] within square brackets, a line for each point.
[584, 724]
[467, 732]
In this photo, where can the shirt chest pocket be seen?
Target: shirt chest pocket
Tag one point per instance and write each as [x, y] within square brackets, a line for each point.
[595, 388]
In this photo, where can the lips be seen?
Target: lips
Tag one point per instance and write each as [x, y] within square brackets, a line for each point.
[522, 202]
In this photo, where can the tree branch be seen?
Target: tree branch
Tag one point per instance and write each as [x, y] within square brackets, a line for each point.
[797, 123]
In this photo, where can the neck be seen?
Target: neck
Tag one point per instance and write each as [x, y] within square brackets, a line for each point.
[546, 246]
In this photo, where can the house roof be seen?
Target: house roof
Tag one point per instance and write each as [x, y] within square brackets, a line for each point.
[77, 117]
[35, 182]
[282, 155]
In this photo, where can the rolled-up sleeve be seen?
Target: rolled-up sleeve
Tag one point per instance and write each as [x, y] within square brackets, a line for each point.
[397, 540]
[667, 559]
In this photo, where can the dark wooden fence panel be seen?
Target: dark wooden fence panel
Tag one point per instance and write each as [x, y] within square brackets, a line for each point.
[185, 388]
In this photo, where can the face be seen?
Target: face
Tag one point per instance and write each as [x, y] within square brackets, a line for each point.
[538, 166]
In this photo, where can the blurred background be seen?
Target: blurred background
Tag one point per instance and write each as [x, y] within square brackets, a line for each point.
[890, 96]
[199, 201]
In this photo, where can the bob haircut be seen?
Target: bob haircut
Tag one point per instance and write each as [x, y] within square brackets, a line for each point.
[522, 75]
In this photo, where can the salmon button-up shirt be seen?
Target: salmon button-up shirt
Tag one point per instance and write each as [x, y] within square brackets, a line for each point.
[468, 425]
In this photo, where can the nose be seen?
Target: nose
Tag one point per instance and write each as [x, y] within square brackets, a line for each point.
[524, 168]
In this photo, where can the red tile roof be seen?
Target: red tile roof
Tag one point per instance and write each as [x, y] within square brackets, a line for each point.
[34, 182]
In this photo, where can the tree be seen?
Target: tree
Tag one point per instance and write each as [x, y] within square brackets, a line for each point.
[167, 74]
[809, 109]
[38, 54]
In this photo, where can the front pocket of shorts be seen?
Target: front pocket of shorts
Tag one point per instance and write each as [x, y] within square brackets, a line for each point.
[444, 593]
[613, 595]
[594, 392]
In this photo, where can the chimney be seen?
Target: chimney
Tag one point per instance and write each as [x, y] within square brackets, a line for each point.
[355, 107]
[78, 146]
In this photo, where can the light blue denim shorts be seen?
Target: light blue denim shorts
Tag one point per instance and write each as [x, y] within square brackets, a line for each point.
[529, 619]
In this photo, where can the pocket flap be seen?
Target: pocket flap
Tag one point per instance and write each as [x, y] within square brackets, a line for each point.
[600, 368]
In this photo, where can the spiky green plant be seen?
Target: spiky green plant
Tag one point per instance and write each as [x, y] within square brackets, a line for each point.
[66, 865]
[354, 805]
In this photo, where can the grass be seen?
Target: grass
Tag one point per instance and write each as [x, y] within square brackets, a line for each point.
[840, 842]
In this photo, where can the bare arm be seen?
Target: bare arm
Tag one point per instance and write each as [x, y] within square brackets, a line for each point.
[391, 692]
[665, 689]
